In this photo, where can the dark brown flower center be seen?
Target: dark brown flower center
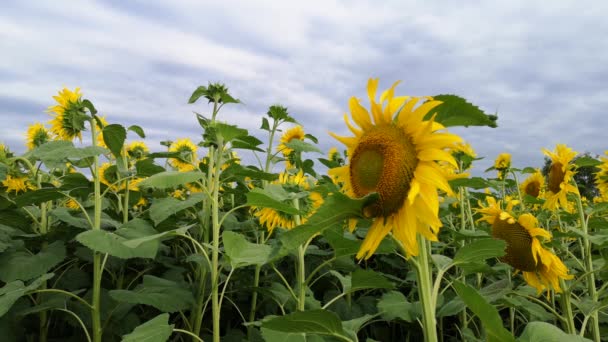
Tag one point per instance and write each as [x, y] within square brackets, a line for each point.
[533, 189]
[519, 244]
[384, 161]
[556, 177]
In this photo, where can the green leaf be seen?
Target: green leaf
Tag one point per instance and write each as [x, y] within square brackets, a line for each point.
[54, 154]
[155, 330]
[353, 326]
[114, 136]
[21, 265]
[545, 332]
[14, 290]
[171, 179]
[480, 250]
[265, 125]
[456, 111]
[335, 209]
[473, 183]
[229, 132]
[394, 305]
[63, 215]
[239, 170]
[263, 198]
[301, 146]
[488, 315]
[3, 171]
[37, 197]
[247, 142]
[320, 322]
[586, 161]
[342, 245]
[242, 252]
[147, 168]
[138, 130]
[162, 208]
[368, 279]
[163, 294]
[135, 239]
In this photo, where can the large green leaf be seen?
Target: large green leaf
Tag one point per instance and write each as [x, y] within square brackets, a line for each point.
[21, 265]
[171, 179]
[14, 290]
[473, 183]
[114, 136]
[480, 250]
[271, 197]
[335, 210]
[229, 132]
[155, 330]
[456, 111]
[545, 332]
[367, 279]
[162, 208]
[135, 239]
[54, 154]
[320, 322]
[301, 146]
[487, 313]
[242, 252]
[394, 305]
[163, 294]
[38, 196]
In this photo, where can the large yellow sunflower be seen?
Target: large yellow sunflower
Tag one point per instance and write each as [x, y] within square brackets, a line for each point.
[69, 117]
[37, 135]
[272, 218]
[559, 183]
[601, 177]
[540, 267]
[533, 185]
[394, 152]
[187, 160]
[295, 133]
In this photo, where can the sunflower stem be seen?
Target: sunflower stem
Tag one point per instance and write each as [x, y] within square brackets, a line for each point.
[301, 276]
[215, 308]
[97, 266]
[424, 278]
[595, 328]
[566, 305]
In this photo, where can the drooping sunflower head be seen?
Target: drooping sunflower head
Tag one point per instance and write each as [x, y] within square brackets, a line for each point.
[68, 115]
[561, 174]
[540, 267]
[533, 185]
[464, 154]
[295, 133]
[37, 135]
[137, 150]
[394, 152]
[503, 161]
[601, 177]
[17, 183]
[299, 182]
[108, 176]
[187, 159]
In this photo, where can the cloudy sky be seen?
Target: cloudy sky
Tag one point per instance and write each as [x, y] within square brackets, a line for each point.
[543, 66]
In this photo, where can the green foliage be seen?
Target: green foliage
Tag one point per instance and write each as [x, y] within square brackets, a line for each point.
[155, 330]
[456, 111]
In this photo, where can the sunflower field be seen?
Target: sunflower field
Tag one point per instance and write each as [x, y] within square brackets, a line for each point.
[386, 237]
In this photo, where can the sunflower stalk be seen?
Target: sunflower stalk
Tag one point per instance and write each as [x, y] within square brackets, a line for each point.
[258, 268]
[301, 276]
[97, 265]
[566, 305]
[595, 328]
[425, 281]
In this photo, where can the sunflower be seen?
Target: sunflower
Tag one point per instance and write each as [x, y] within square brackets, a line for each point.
[37, 135]
[561, 173]
[107, 175]
[502, 164]
[69, 116]
[540, 267]
[137, 150]
[464, 154]
[299, 182]
[394, 153]
[17, 183]
[187, 159]
[533, 185]
[601, 177]
[295, 133]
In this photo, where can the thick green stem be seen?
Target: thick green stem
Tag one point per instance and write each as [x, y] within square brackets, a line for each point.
[423, 273]
[595, 327]
[43, 229]
[301, 276]
[97, 269]
[568, 322]
[215, 307]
